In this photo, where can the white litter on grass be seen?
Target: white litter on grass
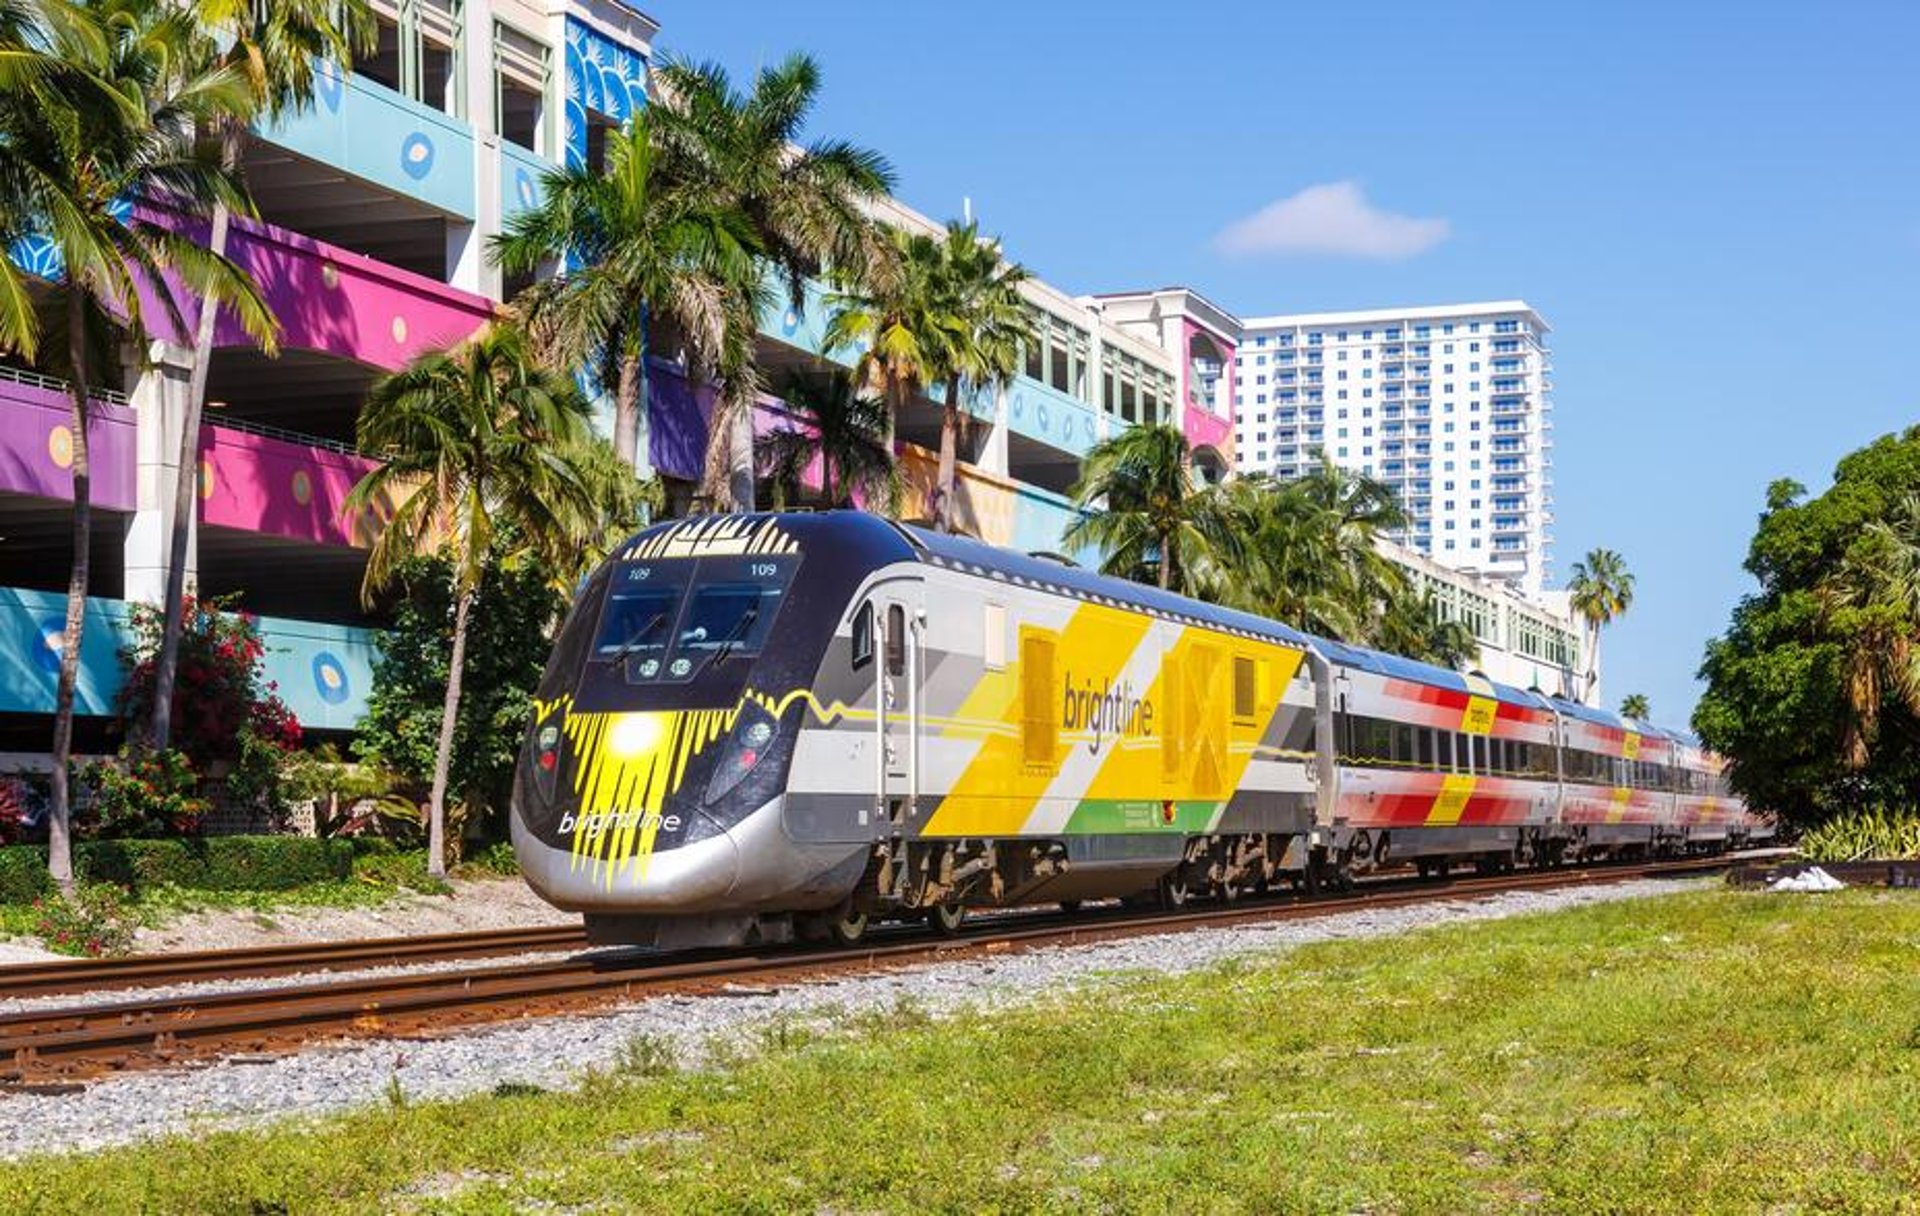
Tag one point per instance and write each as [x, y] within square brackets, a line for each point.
[1813, 878]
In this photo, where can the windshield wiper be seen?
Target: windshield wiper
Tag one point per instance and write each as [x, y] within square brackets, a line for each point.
[639, 635]
[734, 635]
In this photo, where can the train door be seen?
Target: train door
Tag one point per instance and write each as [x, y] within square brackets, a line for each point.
[899, 636]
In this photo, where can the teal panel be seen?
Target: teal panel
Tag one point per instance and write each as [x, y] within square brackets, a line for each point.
[32, 627]
[1040, 519]
[322, 672]
[1042, 412]
[521, 173]
[804, 327]
[374, 133]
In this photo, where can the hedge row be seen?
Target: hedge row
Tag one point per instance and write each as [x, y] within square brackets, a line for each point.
[213, 863]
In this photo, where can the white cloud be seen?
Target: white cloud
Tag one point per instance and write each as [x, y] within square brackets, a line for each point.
[1333, 219]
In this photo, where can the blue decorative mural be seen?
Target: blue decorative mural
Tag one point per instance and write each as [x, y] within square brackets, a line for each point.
[322, 672]
[603, 78]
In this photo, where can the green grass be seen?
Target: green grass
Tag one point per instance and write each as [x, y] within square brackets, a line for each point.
[1711, 1051]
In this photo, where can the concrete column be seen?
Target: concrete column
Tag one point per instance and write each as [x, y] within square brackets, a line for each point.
[159, 396]
[1096, 357]
[993, 453]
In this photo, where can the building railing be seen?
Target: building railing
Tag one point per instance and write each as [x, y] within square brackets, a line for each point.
[284, 435]
[20, 375]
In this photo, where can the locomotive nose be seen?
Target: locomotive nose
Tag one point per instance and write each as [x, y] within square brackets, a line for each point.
[694, 875]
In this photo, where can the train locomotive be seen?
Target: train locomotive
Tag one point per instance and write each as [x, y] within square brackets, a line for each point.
[755, 728]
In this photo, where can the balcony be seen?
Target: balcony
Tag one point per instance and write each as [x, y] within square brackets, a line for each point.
[382, 137]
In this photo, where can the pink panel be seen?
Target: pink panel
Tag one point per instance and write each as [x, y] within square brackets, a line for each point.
[36, 444]
[267, 485]
[1203, 427]
[328, 299]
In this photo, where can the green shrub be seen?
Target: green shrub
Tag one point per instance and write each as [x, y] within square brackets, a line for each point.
[141, 794]
[95, 923]
[215, 863]
[23, 874]
[1873, 834]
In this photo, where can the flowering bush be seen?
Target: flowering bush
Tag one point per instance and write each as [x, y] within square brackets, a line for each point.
[141, 794]
[224, 712]
[22, 806]
[96, 922]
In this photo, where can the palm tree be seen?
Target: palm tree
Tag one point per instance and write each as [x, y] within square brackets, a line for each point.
[639, 248]
[1634, 705]
[1601, 590]
[277, 49]
[984, 351]
[807, 203]
[477, 443]
[1145, 510]
[901, 323]
[1869, 605]
[80, 151]
[845, 429]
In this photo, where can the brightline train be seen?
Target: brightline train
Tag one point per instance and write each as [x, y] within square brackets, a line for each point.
[761, 727]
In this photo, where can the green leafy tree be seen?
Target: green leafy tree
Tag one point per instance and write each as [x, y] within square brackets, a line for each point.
[513, 611]
[482, 449]
[1601, 591]
[640, 248]
[1635, 705]
[1809, 690]
[806, 201]
[275, 50]
[902, 324]
[844, 429]
[1149, 515]
[81, 147]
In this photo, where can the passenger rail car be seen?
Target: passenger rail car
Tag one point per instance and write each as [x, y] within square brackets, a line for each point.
[759, 726]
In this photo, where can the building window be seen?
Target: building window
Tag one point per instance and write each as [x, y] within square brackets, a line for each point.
[417, 54]
[520, 75]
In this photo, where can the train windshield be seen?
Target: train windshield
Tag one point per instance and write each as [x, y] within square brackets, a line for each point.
[674, 618]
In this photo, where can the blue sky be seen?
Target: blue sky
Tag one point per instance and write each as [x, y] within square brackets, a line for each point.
[1716, 207]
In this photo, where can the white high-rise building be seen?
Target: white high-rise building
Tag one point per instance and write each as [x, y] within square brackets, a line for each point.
[1449, 405]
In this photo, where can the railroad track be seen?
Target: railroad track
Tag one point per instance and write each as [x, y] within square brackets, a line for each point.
[60, 1046]
[155, 970]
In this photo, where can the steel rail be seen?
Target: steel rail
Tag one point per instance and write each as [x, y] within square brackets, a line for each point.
[154, 970]
[79, 1041]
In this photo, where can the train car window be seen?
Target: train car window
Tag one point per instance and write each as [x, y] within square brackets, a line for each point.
[1039, 728]
[1403, 744]
[1479, 753]
[861, 650]
[1246, 687]
[1444, 750]
[993, 637]
[896, 640]
[1424, 745]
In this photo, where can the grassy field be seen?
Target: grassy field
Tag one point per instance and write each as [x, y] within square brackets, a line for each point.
[1711, 1051]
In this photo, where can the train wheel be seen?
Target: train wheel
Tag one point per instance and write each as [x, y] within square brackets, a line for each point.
[1229, 890]
[1070, 906]
[1173, 893]
[946, 919]
[847, 928]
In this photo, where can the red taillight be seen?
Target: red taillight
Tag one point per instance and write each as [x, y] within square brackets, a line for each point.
[547, 761]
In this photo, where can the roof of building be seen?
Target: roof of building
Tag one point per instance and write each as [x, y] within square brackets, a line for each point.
[1425, 312]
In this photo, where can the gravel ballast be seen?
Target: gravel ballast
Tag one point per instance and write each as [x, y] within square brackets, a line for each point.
[554, 1053]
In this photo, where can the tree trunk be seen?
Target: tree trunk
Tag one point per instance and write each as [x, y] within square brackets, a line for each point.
[949, 457]
[716, 470]
[60, 815]
[626, 411]
[826, 480]
[443, 757]
[740, 487]
[187, 477]
[1166, 563]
